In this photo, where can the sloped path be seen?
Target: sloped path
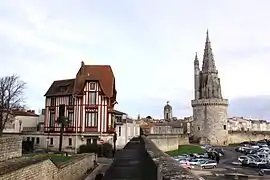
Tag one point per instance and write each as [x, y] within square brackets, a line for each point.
[131, 163]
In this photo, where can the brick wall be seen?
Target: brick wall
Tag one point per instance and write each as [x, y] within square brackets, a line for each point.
[46, 170]
[10, 147]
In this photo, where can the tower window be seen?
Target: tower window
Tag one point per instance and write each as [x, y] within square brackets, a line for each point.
[224, 127]
[199, 128]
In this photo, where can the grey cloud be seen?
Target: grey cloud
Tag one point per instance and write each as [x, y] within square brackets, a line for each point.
[256, 107]
[244, 53]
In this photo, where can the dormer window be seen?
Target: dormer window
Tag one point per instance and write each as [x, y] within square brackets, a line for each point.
[63, 89]
[92, 86]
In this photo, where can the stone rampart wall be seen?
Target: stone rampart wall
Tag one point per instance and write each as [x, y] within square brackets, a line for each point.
[235, 137]
[74, 170]
[47, 170]
[166, 142]
[10, 147]
[166, 167]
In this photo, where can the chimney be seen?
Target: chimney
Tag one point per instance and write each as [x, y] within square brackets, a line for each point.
[82, 67]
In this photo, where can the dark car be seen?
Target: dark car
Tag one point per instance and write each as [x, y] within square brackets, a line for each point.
[247, 162]
[264, 166]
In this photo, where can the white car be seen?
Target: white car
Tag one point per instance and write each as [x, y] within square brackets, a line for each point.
[207, 164]
[206, 146]
[242, 158]
[193, 162]
[258, 163]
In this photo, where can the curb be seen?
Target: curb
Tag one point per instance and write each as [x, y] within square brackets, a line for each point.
[238, 176]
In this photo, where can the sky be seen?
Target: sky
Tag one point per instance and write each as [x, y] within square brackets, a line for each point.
[149, 44]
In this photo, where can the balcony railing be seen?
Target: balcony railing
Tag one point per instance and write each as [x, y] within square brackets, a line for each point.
[29, 129]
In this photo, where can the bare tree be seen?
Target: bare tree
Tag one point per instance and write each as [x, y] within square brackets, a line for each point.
[11, 97]
[64, 122]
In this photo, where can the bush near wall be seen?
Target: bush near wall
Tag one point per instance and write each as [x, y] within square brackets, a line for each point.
[105, 149]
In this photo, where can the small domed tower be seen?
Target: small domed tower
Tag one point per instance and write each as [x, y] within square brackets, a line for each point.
[167, 112]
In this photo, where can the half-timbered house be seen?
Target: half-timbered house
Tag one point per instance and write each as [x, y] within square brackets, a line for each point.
[87, 101]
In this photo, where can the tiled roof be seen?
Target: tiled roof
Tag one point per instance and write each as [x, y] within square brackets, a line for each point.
[24, 113]
[100, 73]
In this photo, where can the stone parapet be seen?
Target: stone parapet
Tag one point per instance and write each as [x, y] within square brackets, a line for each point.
[10, 147]
[41, 167]
[167, 167]
[141, 159]
[209, 102]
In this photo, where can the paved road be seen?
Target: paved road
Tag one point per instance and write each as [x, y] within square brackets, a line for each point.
[226, 166]
[104, 164]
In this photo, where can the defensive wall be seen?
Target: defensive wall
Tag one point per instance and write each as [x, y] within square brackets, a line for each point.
[10, 147]
[168, 142]
[42, 168]
[235, 137]
[142, 159]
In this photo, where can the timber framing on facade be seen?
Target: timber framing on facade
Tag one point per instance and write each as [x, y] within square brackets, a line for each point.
[89, 101]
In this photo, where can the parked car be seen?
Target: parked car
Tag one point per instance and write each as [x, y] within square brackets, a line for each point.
[258, 163]
[206, 146]
[242, 158]
[207, 164]
[196, 161]
[246, 162]
[185, 164]
[264, 166]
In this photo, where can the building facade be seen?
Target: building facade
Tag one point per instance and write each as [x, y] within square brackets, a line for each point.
[126, 129]
[29, 125]
[87, 102]
[168, 128]
[243, 124]
[209, 107]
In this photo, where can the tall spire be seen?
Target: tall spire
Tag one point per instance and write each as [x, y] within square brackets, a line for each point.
[208, 58]
[196, 60]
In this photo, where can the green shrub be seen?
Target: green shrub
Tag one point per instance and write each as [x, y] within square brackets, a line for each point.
[107, 150]
[88, 148]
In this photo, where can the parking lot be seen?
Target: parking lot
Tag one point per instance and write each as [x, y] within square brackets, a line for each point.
[230, 165]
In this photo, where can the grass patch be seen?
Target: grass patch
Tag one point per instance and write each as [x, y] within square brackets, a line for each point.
[55, 158]
[185, 149]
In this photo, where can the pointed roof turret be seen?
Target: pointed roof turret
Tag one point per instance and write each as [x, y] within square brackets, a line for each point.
[208, 58]
[196, 60]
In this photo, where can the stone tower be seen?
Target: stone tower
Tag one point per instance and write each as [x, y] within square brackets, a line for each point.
[209, 108]
[167, 112]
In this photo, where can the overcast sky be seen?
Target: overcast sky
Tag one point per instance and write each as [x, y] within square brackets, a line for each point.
[150, 45]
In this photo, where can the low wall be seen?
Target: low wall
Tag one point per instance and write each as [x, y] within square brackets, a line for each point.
[76, 169]
[167, 142]
[167, 167]
[238, 136]
[44, 169]
[10, 147]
